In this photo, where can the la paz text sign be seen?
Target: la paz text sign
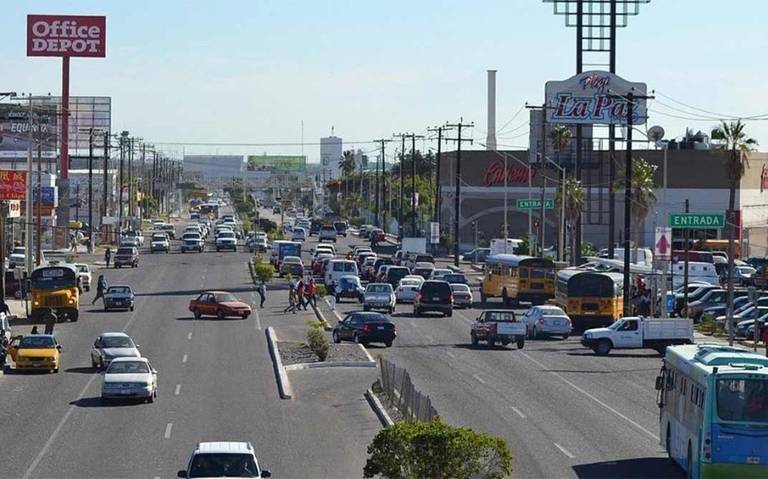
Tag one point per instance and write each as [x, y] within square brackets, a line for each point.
[697, 220]
[66, 36]
[535, 204]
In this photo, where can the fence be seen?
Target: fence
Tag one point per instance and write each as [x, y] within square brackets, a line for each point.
[402, 395]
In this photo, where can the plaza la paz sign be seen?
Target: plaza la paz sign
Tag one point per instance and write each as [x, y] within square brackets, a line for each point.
[594, 97]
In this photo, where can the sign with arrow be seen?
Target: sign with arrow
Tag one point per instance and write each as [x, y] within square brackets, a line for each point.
[663, 242]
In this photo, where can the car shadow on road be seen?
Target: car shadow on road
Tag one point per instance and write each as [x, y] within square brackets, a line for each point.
[83, 370]
[98, 402]
[618, 355]
[639, 468]
[193, 292]
[485, 347]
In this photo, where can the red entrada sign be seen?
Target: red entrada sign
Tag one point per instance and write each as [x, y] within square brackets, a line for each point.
[66, 36]
[13, 185]
[494, 174]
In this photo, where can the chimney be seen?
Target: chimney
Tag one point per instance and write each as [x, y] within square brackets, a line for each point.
[490, 142]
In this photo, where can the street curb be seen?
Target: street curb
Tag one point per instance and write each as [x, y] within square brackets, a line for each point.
[476, 267]
[320, 317]
[378, 408]
[335, 313]
[331, 364]
[370, 358]
[283, 384]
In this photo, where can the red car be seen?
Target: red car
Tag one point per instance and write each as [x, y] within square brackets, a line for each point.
[220, 304]
[378, 235]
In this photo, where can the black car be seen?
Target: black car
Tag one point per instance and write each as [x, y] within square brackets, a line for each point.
[364, 328]
[376, 264]
[314, 227]
[395, 274]
[434, 296]
[341, 228]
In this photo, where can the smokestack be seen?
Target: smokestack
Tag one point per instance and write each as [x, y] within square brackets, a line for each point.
[490, 142]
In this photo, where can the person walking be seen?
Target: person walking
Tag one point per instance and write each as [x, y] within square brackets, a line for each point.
[34, 330]
[73, 244]
[312, 293]
[101, 287]
[262, 290]
[50, 321]
[4, 307]
[291, 301]
[108, 256]
[300, 288]
[3, 351]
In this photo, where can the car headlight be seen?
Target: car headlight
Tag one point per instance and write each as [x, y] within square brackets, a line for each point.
[587, 336]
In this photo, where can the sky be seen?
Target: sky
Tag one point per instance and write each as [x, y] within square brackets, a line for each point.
[252, 71]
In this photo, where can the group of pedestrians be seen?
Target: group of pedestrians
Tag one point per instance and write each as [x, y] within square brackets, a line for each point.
[301, 294]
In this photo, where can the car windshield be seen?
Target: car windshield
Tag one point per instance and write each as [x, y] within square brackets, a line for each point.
[349, 281]
[373, 317]
[128, 367]
[460, 288]
[82, 268]
[117, 342]
[379, 288]
[455, 278]
[410, 282]
[125, 251]
[223, 465]
[118, 290]
[226, 234]
[742, 400]
[37, 342]
[225, 297]
[500, 316]
[552, 311]
[160, 237]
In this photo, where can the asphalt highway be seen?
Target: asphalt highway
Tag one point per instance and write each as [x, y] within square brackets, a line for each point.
[216, 382]
[564, 411]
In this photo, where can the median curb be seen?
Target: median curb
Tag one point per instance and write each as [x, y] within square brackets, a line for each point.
[320, 317]
[333, 364]
[378, 408]
[283, 384]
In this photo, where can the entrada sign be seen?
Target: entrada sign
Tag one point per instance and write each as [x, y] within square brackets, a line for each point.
[66, 36]
[697, 220]
[534, 204]
[494, 174]
[593, 97]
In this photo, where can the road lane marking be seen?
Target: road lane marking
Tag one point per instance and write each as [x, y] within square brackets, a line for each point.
[450, 355]
[184, 359]
[430, 338]
[518, 412]
[479, 379]
[258, 319]
[564, 450]
[177, 390]
[56, 431]
[189, 336]
[592, 397]
[168, 428]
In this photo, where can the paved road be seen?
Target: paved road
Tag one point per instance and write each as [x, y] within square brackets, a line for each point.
[216, 382]
[564, 411]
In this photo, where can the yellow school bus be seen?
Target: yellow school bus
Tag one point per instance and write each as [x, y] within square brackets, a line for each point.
[590, 298]
[55, 288]
[516, 278]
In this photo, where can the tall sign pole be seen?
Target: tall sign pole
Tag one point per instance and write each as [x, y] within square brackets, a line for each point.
[457, 199]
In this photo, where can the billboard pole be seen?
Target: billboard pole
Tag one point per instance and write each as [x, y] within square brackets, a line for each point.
[28, 212]
[63, 214]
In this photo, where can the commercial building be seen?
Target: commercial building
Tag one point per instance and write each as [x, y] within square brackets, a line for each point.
[330, 153]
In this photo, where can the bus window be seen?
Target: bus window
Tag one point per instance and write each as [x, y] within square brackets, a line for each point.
[523, 272]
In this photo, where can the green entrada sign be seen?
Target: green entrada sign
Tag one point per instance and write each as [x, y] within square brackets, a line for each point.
[697, 220]
[535, 204]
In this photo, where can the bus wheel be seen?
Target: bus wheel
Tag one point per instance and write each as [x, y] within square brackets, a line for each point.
[668, 444]
[689, 462]
[505, 298]
[73, 315]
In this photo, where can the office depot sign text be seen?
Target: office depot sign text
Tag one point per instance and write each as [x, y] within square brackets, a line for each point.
[66, 36]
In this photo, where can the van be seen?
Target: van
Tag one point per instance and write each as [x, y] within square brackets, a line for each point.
[697, 272]
[643, 256]
[338, 268]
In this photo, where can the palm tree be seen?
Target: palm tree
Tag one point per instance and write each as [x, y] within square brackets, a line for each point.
[643, 193]
[573, 194]
[347, 167]
[560, 136]
[738, 145]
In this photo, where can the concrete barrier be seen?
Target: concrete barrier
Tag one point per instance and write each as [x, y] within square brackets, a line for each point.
[283, 384]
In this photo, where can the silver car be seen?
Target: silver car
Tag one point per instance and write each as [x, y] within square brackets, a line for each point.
[462, 295]
[408, 288]
[379, 296]
[110, 346]
[547, 320]
[130, 378]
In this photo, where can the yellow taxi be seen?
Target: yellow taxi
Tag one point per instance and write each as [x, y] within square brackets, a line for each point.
[35, 351]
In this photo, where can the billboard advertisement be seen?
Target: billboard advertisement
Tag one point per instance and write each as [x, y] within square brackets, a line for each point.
[15, 136]
[13, 185]
[593, 97]
[66, 36]
[280, 163]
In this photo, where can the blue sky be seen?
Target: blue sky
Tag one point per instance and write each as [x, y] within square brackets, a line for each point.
[252, 71]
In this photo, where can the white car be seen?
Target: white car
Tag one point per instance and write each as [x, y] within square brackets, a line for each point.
[547, 320]
[135, 234]
[130, 378]
[226, 240]
[159, 242]
[299, 234]
[84, 275]
[110, 346]
[191, 241]
[223, 459]
[438, 272]
[407, 288]
[130, 241]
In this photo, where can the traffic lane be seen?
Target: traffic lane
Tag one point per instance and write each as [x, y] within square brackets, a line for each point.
[437, 352]
[37, 403]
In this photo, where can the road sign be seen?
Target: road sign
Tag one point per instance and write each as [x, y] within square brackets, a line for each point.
[697, 220]
[535, 204]
[663, 243]
[434, 233]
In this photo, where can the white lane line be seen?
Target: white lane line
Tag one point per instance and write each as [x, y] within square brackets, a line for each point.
[518, 412]
[450, 355]
[592, 397]
[564, 450]
[430, 338]
[56, 431]
[479, 379]
[177, 390]
[258, 319]
[168, 428]
[184, 358]
[189, 336]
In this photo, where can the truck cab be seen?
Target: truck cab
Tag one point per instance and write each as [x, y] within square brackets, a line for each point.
[637, 333]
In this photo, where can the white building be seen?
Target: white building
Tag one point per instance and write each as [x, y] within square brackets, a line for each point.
[330, 154]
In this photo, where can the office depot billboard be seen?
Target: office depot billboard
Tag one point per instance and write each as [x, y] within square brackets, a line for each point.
[66, 36]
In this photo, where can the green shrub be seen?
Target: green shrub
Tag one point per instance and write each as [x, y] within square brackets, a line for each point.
[317, 341]
[435, 449]
[263, 271]
[321, 290]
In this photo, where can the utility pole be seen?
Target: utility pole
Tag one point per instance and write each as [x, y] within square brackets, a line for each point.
[378, 187]
[28, 229]
[105, 186]
[400, 209]
[143, 179]
[439, 130]
[457, 199]
[90, 190]
[413, 182]
[130, 180]
[122, 182]
[39, 199]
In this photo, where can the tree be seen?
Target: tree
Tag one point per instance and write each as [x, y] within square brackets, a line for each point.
[434, 449]
[573, 194]
[347, 167]
[560, 136]
[738, 145]
[643, 193]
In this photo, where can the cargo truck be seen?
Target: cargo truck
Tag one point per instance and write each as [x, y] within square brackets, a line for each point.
[639, 333]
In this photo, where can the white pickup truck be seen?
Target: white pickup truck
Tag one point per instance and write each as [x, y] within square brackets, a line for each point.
[639, 333]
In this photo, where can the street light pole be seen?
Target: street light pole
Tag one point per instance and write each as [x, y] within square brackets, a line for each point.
[90, 190]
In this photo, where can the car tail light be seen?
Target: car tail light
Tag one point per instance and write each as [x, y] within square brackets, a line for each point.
[541, 321]
[419, 296]
[450, 297]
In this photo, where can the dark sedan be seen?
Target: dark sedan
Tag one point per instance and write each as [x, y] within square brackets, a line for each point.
[364, 328]
[119, 297]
